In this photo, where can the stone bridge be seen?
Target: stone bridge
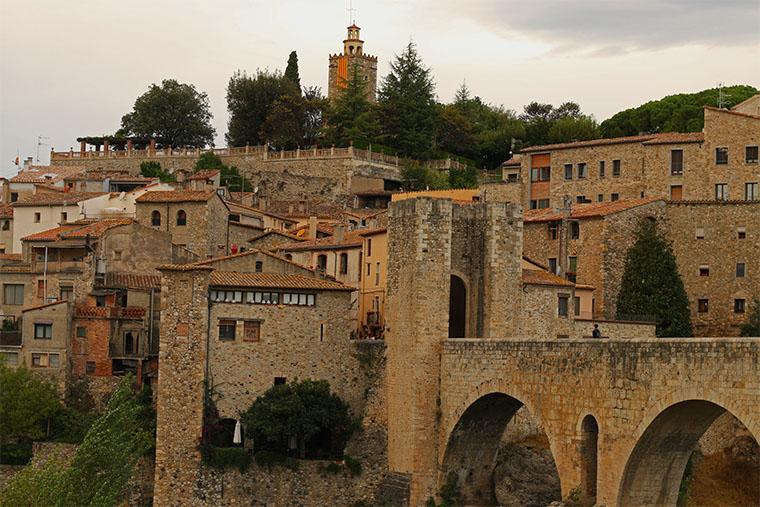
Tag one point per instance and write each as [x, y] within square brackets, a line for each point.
[621, 416]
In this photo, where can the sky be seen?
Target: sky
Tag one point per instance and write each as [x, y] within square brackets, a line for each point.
[70, 69]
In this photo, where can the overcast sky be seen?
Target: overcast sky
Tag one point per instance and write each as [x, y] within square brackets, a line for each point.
[69, 69]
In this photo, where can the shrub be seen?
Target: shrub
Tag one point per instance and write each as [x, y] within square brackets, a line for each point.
[270, 459]
[225, 457]
[354, 465]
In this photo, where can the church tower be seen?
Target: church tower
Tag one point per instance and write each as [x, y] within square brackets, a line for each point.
[342, 63]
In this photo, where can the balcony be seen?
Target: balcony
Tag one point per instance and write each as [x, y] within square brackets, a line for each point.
[10, 333]
[110, 312]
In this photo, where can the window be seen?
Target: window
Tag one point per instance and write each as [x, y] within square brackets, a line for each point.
[66, 292]
[539, 203]
[721, 156]
[552, 230]
[344, 263]
[576, 306]
[90, 367]
[740, 269]
[298, 299]
[14, 196]
[750, 154]
[289, 257]
[704, 271]
[600, 197]
[13, 294]
[562, 306]
[721, 192]
[6, 225]
[81, 332]
[572, 264]
[117, 255]
[8, 358]
[41, 288]
[377, 274]
[369, 248]
[552, 261]
[43, 331]
[676, 192]
[131, 342]
[64, 216]
[739, 305]
[369, 268]
[750, 192]
[227, 296]
[614, 196]
[43, 360]
[155, 218]
[100, 301]
[676, 162]
[36, 218]
[259, 266]
[699, 233]
[616, 168]
[321, 331]
[234, 218]
[322, 262]
[278, 381]
[257, 297]
[568, 171]
[702, 305]
[251, 330]
[741, 233]
[582, 171]
[580, 199]
[540, 174]
[227, 330]
[181, 218]
[601, 169]
[575, 230]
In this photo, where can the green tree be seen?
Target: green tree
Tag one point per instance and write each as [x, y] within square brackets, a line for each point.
[283, 126]
[573, 128]
[314, 107]
[101, 466]
[418, 176]
[675, 113]
[303, 410]
[407, 107]
[228, 175]
[463, 178]
[174, 113]
[27, 403]
[291, 71]
[249, 102]
[349, 117]
[651, 284]
[752, 326]
[152, 169]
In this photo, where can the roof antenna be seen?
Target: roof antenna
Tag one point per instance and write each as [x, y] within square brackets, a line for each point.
[722, 96]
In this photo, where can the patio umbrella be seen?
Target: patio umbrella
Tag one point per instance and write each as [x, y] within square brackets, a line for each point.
[238, 437]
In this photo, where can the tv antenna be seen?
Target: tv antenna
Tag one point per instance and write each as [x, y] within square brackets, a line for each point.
[351, 12]
[722, 96]
[40, 143]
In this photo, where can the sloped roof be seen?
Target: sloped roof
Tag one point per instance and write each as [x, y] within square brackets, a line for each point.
[594, 210]
[274, 281]
[57, 198]
[205, 175]
[661, 138]
[677, 138]
[541, 277]
[279, 233]
[176, 196]
[78, 230]
[39, 307]
[351, 239]
[46, 173]
[133, 280]
[729, 111]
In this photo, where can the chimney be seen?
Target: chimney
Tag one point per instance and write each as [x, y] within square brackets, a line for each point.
[312, 227]
[28, 161]
[338, 233]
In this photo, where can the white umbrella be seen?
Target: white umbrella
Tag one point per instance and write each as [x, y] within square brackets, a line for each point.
[238, 438]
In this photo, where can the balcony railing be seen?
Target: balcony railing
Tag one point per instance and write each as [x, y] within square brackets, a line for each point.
[110, 312]
[10, 337]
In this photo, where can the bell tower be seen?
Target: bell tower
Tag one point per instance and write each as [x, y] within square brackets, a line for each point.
[342, 64]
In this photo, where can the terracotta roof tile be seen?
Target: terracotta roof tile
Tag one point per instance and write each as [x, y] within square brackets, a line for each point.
[45, 173]
[236, 205]
[57, 199]
[274, 280]
[729, 111]
[44, 306]
[50, 234]
[6, 211]
[10, 257]
[176, 196]
[133, 280]
[78, 230]
[594, 210]
[279, 233]
[296, 208]
[677, 138]
[593, 142]
[540, 277]
[205, 175]
[351, 239]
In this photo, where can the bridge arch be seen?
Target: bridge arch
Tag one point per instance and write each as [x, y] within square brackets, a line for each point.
[472, 442]
[663, 444]
[458, 306]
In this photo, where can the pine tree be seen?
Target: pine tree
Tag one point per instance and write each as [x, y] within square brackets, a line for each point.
[350, 116]
[651, 284]
[408, 111]
[291, 71]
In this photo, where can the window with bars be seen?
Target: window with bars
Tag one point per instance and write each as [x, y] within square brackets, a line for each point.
[751, 154]
[676, 162]
[721, 156]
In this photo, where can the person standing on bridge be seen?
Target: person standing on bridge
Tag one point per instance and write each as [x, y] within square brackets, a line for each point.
[596, 333]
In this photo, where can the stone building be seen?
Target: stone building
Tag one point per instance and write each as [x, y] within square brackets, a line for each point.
[720, 163]
[342, 64]
[6, 228]
[45, 336]
[749, 106]
[196, 220]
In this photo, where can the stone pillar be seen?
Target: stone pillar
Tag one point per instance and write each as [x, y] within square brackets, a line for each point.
[152, 148]
[502, 270]
[82, 146]
[106, 148]
[417, 306]
[181, 374]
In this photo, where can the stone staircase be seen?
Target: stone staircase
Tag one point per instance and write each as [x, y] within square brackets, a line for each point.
[393, 490]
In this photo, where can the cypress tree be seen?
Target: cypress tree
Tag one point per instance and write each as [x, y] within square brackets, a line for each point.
[291, 71]
[651, 284]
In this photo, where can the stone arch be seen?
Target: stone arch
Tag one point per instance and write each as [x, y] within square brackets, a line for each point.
[472, 442]
[589, 458]
[663, 444]
[458, 307]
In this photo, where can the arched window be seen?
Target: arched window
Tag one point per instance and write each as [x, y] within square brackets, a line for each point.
[590, 430]
[343, 263]
[259, 266]
[322, 262]
[155, 218]
[181, 217]
[457, 308]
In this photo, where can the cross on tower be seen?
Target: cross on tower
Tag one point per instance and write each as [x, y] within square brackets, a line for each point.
[351, 11]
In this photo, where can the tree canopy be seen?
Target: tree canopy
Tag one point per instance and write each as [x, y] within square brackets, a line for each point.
[174, 113]
[675, 113]
[153, 169]
[229, 176]
[651, 284]
[351, 117]
[752, 326]
[291, 71]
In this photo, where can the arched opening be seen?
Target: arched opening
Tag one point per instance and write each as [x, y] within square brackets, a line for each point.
[494, 462]
[181, 217]
[322, 263]
[589, 450]
[655, 470]
[457, 308]
[155, 218]
[259, 266]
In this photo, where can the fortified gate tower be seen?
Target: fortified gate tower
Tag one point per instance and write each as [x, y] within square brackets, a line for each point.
[342, 64]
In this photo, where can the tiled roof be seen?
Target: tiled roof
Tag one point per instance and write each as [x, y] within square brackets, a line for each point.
[540, 277]
[513, 161]
[44, 306]
[593, 142]
[56, 198]
[10, 257]
[279, 233]
[372, 232]
[205, 175]
[351, 239]
[210, 262]
[78, 230]
[255, 211]
[594, 210]
[677, 138]
[296, 208]
[274, 281]
[133, 281]
[6, 211]
[38, 173]
[176, 196]
[50, 234]
[301, 231]
[729, 111]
